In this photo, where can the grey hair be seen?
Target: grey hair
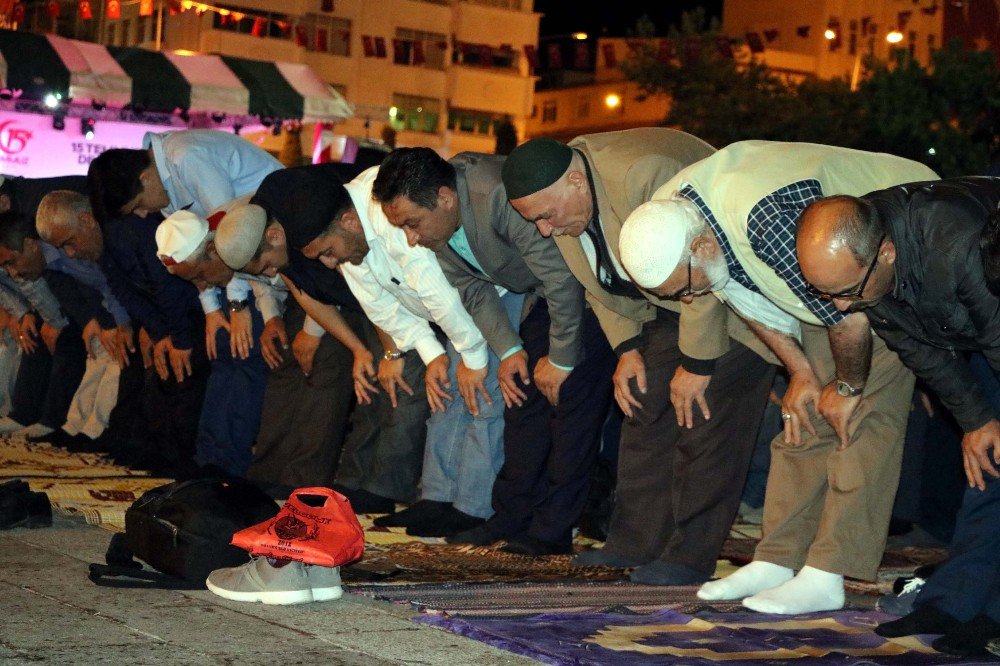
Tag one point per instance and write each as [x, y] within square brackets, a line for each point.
[200, 253]
[59, 208]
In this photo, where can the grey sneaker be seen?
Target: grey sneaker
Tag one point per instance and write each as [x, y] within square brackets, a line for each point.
[259, 580]
[901, 604]
[324, 582]
[993, 646]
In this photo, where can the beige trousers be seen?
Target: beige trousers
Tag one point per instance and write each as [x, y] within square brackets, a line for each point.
[830, 509]
[90, 411]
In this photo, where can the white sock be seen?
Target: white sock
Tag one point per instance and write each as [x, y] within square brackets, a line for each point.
[9, 425]
[751, 579]
[810, 591]
[34, 430]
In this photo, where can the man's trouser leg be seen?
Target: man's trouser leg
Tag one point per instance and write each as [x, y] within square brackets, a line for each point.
[234, 399]
[90, 411]
[826, 508]
[678, 489]
[31, 385]
[576, 435]
[959, 586]
[384, 451]
[304, 419]
[68, 365]
[10, 360]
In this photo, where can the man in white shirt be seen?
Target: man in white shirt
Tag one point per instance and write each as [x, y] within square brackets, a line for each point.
[402, 289]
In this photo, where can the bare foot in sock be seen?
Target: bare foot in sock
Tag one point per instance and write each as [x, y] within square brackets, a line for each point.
[751, 579]
[812, 590]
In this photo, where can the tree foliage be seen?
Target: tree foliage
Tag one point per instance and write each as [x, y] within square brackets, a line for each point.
[947, 116]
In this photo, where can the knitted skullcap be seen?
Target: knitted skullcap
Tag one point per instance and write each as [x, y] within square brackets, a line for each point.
[652, 240]
[534, 165]
[179, 235]
[239, 234]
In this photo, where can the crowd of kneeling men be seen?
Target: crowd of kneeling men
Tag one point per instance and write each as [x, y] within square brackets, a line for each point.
[449, 334]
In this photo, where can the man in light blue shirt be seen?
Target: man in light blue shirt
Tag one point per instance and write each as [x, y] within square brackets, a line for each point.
[198, 171]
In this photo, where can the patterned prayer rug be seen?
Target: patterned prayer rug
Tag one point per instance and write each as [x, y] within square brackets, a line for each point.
[842, 638]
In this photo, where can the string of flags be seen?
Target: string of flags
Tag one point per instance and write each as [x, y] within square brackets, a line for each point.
[15, 12]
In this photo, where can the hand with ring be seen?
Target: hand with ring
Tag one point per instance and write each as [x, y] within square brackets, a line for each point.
[785, 416]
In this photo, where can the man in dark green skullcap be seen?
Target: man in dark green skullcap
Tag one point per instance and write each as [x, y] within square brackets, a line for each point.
[679, 475]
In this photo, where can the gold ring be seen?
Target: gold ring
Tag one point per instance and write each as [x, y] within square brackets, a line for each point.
[786, 417]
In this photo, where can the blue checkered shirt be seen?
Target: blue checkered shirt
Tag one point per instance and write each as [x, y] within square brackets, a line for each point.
[771, 232]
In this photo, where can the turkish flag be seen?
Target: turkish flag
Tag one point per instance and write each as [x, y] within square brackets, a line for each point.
[301, 39]
[321, 39]
[259, 25]
[17, 14]
[610, 57]
[114, 10]
[418, 53]
[85, 12]
[145, 7]
[53, 8]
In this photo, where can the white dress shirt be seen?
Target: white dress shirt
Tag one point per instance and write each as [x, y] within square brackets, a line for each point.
[402, 288]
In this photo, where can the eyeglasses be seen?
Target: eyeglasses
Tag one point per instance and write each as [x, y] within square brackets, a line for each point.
[853, 294]
[683, 293]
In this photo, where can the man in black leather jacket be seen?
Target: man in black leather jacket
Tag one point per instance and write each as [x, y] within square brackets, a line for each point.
[916, 260]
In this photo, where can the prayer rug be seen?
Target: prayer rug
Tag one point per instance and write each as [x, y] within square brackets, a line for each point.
[842, 638]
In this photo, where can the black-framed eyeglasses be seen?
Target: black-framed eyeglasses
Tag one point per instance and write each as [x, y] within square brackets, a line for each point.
[683, 293]
[857, 293]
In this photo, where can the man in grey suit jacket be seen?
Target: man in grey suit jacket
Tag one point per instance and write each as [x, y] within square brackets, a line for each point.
[459, 209]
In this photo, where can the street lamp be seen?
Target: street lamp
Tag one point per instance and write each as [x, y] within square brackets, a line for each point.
[830, 34]
[894, 37]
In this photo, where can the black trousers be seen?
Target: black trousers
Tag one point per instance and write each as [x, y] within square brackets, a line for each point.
[549, 452]
[678, 489]
[46, 382]
[304, 419]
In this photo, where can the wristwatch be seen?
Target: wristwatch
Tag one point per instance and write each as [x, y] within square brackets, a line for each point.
[392, 355]
[239, 306]
[848, 391]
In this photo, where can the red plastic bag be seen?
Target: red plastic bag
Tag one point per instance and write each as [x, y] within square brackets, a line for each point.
[328, 535]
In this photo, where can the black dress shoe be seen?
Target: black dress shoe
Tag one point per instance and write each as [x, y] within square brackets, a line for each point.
[363, 501]
[483, 535]
[25, 510]
[924, 620]
[602, 557]
[418, 513]
[451, 521]
[529, 545]
[970, 639]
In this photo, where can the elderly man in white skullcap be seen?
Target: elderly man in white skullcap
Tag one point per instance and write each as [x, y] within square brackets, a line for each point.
[835, 469]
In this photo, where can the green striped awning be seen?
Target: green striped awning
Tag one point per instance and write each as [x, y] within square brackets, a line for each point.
[161, 81]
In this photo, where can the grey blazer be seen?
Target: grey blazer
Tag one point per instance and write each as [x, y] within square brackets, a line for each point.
[514, 256]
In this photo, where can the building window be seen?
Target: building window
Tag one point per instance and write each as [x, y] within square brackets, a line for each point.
[502, 4]
[417, 114]
[473, 122]
[484, 55]
[327, 34]
[419, 48]
[549, 112]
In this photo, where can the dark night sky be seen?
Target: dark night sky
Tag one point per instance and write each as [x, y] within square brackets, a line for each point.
[616, 17]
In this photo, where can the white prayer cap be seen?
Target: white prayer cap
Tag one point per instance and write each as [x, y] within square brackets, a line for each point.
[653, 238]
[239, 235]
[179, 236]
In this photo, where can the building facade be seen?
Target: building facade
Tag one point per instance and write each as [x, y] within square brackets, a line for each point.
[435, 73]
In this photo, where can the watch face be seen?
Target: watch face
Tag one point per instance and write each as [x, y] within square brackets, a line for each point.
[843, 389]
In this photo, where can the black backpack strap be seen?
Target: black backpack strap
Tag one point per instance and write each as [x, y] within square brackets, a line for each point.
[122, 570]
[125, 576]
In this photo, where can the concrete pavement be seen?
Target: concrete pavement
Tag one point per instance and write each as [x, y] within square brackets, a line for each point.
[51, 613]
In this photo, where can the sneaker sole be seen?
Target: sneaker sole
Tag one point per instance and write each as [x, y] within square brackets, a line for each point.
[327, 593]
[267, 598]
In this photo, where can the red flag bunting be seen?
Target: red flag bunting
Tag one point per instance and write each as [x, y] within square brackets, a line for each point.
[17, 13]
[610, 57]
[259, 25]
[368, 43]
[321, 39]
[301, 39]
[85, 12]
[555, 56]
[531, 55]
[53, 8]
[114, 9]
[145, 7]
[418, 52]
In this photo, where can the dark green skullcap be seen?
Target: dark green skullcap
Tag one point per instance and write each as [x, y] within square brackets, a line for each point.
[534, 165]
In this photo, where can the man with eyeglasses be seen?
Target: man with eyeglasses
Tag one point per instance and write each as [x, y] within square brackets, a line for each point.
[917, 260]
[684, 450]
[832, 479]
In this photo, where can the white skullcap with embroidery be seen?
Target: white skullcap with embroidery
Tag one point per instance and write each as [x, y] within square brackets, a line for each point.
[653, 238]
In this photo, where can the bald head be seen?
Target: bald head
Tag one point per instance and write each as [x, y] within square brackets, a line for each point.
[837, 240]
